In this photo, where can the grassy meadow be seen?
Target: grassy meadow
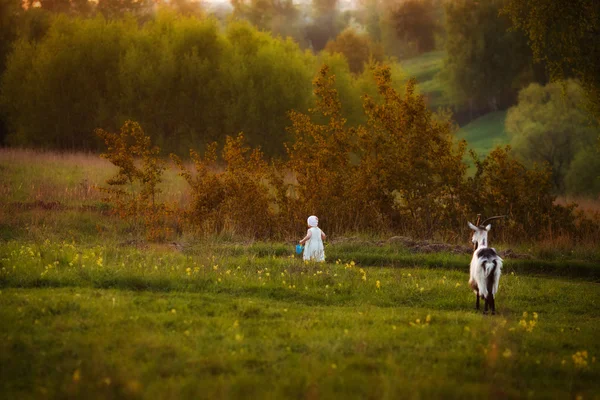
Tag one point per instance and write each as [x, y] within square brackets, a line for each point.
[90, 311]
[425, 68]
[485, 133]
[482, 134]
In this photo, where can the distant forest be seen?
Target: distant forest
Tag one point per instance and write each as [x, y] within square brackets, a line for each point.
[192, 73]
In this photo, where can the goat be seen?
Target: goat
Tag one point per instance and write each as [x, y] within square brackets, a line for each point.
[486, 266]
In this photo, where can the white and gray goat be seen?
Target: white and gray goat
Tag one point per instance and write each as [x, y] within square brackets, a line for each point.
[486, 266]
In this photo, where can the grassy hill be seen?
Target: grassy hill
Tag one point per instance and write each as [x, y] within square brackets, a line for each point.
[424, 69]
[485, 133]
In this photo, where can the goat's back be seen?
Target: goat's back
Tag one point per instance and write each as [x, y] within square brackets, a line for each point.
[486, 268]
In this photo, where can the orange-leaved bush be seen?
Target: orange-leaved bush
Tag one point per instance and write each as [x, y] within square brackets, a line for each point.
[503, 185]
[237, 200]
[320, 157]
[410, 163]
[134, 189]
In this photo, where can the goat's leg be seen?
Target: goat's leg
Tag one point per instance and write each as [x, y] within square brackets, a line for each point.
[493, 304]
[487, 303]
[477, 301]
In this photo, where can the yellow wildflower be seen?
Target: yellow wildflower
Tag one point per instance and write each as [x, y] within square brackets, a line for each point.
[580, 359]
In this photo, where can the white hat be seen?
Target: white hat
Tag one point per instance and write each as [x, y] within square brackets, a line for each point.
[313, 221]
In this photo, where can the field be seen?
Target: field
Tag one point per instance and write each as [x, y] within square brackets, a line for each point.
[485, 133]
[424, 69]
[89, 310]
[482, 134]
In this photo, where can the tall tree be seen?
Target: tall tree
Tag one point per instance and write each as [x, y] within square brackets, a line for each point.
[485, 62]
[10, 13]
[547, 126]
[565, 35]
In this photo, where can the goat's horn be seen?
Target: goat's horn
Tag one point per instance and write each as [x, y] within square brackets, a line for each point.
[491, 219]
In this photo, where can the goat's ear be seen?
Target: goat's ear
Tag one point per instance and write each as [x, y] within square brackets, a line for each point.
[472, 226]
[487, 228]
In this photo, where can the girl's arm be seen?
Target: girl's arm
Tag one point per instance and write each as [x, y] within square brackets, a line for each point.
[323, 235]
[307, 237]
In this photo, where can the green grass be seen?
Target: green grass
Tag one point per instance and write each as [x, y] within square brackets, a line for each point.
[424, 69]
[85, 313]
[121, 322]
[482, 134]
[485, 133]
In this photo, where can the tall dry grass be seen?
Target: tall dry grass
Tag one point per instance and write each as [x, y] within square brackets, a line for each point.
[69, 178]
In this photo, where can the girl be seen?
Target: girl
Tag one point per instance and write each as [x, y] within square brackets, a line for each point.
[313, 250]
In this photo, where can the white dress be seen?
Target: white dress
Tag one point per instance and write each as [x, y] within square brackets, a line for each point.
[313, 250]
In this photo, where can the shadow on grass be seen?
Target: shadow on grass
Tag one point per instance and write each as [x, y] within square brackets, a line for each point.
[586, 270]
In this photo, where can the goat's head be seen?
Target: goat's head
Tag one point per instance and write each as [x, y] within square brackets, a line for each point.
[480, 232]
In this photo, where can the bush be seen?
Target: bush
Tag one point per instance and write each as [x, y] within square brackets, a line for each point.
[401, 172]
[134, 189]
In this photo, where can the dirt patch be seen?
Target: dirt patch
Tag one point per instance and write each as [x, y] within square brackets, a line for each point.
[423, 246]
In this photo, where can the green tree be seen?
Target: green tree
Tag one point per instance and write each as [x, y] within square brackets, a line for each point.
[170, 80]
[34, 24]
[188, 81]
[548, 126]
[485, 62]
[263, 79]
[57, 91]
[10, 15]
[564, 35]
[583, 177]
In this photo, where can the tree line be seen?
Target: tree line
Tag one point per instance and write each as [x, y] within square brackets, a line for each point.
[188, 81]
[192, 75]
[401, 171]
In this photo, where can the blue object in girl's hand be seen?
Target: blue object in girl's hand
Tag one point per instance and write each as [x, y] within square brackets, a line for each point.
[299, 249]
